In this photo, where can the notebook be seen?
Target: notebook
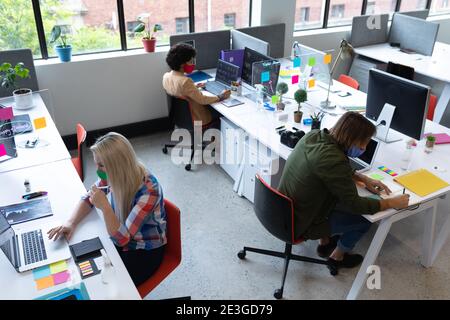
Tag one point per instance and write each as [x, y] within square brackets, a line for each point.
[441, 138]
[422, 182]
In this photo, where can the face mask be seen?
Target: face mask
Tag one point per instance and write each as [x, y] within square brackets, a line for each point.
[355, 152]
[102, 175]
[188, 68]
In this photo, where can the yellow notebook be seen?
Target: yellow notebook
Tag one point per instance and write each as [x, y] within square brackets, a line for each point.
[422, 182]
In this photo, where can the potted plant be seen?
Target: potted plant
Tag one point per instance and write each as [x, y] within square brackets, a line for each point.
[316, 120]
[63, 49]
[8, 77]
[429, 144]
[149, 40]
[282, 88]
[300, 96]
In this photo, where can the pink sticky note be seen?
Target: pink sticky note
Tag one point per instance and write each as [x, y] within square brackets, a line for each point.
[61, 277]
[295, 79]
[2, 150]
[6, 113]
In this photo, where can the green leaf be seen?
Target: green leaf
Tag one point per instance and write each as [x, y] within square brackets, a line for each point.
[139, 28]
[56, 33]
[157, 27]
[5, 66]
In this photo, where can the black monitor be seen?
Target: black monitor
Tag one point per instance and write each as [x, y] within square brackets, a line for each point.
[409, 98]
[266, 73]
[250, 57]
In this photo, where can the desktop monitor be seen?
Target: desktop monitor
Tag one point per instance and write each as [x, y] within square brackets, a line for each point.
[240, 40]
[409, 98]
[250, 57]
[266, 73]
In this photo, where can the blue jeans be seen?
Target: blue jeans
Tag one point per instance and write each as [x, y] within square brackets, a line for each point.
[350, 226]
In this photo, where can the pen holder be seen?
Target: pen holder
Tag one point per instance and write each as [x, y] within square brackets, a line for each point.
[236, 87]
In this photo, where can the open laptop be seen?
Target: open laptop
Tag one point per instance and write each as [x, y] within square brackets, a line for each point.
[29, 248]
[365, 161]
[225, 73]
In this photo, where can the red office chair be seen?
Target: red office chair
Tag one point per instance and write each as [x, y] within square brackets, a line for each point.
[78, 161]
[275, 211]
[349, 81]
[431, 107]
[172, 254]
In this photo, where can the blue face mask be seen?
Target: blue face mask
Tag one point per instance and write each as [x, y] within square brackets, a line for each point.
[355, 152]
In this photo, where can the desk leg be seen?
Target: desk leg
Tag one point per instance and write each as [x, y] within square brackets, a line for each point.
[442, 104]
[371, 256]
[428, 236]
[441, 239]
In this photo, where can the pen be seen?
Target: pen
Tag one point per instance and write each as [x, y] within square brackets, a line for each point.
[34, 195]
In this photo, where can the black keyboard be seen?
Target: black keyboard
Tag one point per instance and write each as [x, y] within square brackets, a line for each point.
[357, 166]
[215, 87]
[33, 246]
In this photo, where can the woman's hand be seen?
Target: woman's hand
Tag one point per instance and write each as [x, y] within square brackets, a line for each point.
[376, 186]
[65, 230]
[98, 198]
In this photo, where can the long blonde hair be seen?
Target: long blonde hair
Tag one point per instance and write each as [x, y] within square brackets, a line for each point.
[125, 171]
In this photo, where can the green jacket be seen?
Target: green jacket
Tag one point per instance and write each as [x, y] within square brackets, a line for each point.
[317, 176]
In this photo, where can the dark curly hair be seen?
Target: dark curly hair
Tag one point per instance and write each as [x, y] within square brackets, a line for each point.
[179, 54]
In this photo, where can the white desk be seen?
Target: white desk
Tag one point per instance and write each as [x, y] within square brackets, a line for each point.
[436, 66]
[261, 124]
[64, 189]
[54, 151]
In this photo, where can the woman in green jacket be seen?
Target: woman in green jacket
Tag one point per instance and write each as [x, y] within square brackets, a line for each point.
[322, 184]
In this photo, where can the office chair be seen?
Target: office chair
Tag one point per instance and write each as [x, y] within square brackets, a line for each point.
[78, 160]
[172, 253]
[275, 211]
[431, 107]
[349, 81]
[26, 57]
[400, 70]
[180, 116]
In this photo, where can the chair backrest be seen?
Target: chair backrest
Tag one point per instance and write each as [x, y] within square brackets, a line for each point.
[81, 139]
[274, 210]
[14, 57]
[431, 107]
[349, 81]
[172, 253]
[400, 70]
[180, 112]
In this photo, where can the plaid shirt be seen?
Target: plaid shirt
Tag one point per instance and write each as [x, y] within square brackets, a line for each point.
[145, 226]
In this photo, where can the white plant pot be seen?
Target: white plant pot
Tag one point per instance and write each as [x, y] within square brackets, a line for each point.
[23, 98]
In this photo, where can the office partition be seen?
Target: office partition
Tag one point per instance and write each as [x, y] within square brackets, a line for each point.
[369, 30]
[274, 34]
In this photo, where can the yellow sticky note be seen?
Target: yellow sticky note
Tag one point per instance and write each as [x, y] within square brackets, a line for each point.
[44, 283]
[40, 123]
[327, 59]
[311, 83]
[59, 266]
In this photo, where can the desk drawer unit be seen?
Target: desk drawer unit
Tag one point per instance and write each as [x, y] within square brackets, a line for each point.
[231, 147]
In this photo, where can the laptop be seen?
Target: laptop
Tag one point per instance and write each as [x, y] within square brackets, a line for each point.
[29, 248]
[225, 73]
[365, 161]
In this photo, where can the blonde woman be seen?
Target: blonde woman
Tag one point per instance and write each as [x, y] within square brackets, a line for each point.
[135, 218]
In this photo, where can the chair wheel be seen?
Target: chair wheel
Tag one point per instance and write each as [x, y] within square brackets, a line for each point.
[241, 254]
[333, 270]
[278, 294]
[164, 150]
[188, 167]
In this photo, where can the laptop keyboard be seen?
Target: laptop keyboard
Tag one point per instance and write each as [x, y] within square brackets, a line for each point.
[357, 166]
[33, 246]
[215, 87]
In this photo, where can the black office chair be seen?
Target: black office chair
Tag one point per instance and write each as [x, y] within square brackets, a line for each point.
[180, 116]
[400, 70]
[276, 213]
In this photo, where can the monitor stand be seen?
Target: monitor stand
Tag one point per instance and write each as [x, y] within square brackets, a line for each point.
[383, 125]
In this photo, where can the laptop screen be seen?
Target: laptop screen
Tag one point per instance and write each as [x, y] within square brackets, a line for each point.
[368, 155]
[7, 242]
[226, 72]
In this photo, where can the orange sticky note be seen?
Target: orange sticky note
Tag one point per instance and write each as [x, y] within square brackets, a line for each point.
[327, 58]
[311, 83]
[44, 283]
[40, 123]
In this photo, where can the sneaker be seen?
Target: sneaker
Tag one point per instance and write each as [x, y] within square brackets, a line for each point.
[324, 251]
[349, 261]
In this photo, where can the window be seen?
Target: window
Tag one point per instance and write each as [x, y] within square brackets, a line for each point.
[411, 5]
[313, 10]
[182, 25]
[342, 12]
[17, 26]
[440, 7]
[209, 14]
[381, 6]
[229, 20]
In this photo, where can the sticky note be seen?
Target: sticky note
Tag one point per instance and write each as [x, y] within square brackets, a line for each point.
[59, 266]
[265, 76]
[6, 113]
[327, 59]
[297, 62]
[312, 61]
[40, 123]
[295, 79]
[61, 277]
[41, 272]
[311, 83]
[376, 176]
[275, 99]
[44, 282]
[2, 150]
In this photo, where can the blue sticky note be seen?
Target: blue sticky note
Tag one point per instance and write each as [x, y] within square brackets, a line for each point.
[265, 76]
[41, 272]
[297, 62]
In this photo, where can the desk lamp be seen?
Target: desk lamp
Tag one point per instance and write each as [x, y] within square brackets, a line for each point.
[345, 51]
